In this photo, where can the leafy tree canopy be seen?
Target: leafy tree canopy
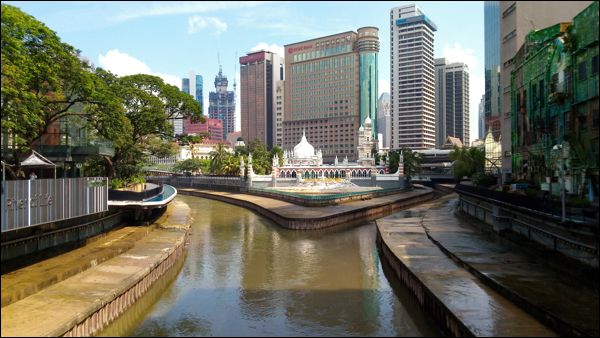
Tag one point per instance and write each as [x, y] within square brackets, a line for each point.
[43, 80]
[466, 161]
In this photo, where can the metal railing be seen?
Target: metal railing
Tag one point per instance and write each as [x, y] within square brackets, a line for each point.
[324, 197]
[31, 202]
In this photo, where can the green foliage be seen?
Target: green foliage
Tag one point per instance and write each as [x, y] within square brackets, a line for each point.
[412, 161]
[481, 179]
[279, 152]
[261, 163]
[192, 141]
[578, 202]
[531, 191]
[192, 165]
[155, 146]
[149, 104]
[135, 179]
[117, 183]
[376, 155]
[43, 81]
[256, 145]
[466, 161]
[218, 156]
[241, 151]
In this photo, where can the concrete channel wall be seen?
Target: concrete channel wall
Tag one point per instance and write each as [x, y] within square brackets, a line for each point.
[576, 240]
[315, 223]
[29, 240]
[117, 284]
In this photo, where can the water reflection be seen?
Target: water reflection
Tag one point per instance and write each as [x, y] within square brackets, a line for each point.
[244, 275]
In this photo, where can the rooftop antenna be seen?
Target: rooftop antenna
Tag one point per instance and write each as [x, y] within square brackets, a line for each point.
[235, 71]
[219, 59]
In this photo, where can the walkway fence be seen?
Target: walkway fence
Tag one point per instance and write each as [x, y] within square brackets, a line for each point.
[32, 202]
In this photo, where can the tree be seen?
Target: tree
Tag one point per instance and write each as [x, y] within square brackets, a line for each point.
[256, 145]
[217, 157]
[192, 140]
[412, 161]
[158, 147]
[192, 165]
[149, 105]
[466, 161]
[279, 152]
[261, 162]
[43, 80]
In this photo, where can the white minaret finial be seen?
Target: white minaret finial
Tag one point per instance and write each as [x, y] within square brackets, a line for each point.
[303, 132]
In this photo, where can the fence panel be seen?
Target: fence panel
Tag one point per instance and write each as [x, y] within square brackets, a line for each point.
[32, 202]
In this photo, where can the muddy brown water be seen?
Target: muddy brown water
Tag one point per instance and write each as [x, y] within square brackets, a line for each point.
[243, 275]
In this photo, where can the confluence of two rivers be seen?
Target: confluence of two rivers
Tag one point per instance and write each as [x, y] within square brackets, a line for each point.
[246, 276]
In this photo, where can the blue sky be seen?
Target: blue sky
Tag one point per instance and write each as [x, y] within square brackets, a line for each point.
[169, 39]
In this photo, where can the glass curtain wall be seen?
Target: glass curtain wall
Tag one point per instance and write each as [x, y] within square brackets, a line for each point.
[492, 80]
[368, 89]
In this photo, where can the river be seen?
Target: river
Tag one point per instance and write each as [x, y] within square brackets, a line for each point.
[243, 275]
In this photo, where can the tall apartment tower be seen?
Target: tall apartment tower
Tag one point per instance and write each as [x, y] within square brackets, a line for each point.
[260, 103]
[481, 120]
[222, 104]
[412, 81]
[192, 86]
[384, 119]
[451, 101]
[517, 19]
[331, 88]
[491, 11]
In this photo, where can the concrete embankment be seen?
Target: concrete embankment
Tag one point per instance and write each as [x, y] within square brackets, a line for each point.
[456, 300]
[293, 216]
[85, 303]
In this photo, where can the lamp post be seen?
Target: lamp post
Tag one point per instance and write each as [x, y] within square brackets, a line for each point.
[562, 174]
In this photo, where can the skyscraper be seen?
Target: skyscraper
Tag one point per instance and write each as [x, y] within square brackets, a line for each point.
[481, 120]
[517, 19]
[412, 81]
[491, 14]
[451, 101]
[260, 102]
[222, 104]
[330, 89]
[192, 86]
[384, 119]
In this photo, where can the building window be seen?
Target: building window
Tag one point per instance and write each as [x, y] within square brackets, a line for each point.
[509, 9]
[582, 70]
[595, 65]
[510, 35]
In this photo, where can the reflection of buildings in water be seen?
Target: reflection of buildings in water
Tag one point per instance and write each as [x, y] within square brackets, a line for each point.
[303, 275]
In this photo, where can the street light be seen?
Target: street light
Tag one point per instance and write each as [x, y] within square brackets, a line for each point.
[562, 171]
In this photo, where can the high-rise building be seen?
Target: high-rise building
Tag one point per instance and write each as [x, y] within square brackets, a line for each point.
[193, 86]
[481, 120]
[212, 126]
[451, 101]
[517, 19]
[491, 11]
[261, 103]
[331, 87]
[384, 119]
[222, 104]
[412, 81]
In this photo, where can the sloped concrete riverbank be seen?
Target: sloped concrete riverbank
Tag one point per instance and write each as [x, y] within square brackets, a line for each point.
[85, 303]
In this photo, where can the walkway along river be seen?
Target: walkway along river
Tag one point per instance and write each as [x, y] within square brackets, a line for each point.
[246, 276]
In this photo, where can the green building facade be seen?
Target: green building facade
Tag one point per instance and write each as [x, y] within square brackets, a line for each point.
[554, 100]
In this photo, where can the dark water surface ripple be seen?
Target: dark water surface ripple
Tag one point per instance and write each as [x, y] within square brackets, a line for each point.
[246, 276]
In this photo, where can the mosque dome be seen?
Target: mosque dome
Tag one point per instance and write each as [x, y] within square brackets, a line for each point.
[361, 128]
[304, 149]
[240, 139]
[368, 120]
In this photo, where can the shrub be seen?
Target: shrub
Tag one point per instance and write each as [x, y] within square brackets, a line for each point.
[531, 191]
[480, 179]
[578, 202]
[117, 183]
[136, 179]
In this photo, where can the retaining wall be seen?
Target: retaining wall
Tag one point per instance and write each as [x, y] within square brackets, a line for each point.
[322, 222]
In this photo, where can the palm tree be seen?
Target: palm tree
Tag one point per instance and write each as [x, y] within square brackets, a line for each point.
[217, 156]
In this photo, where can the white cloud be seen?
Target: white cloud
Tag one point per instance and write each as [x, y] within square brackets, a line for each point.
[383, 86]
[273, 48]
[122, 64]
[458, 54]
[197, 23]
